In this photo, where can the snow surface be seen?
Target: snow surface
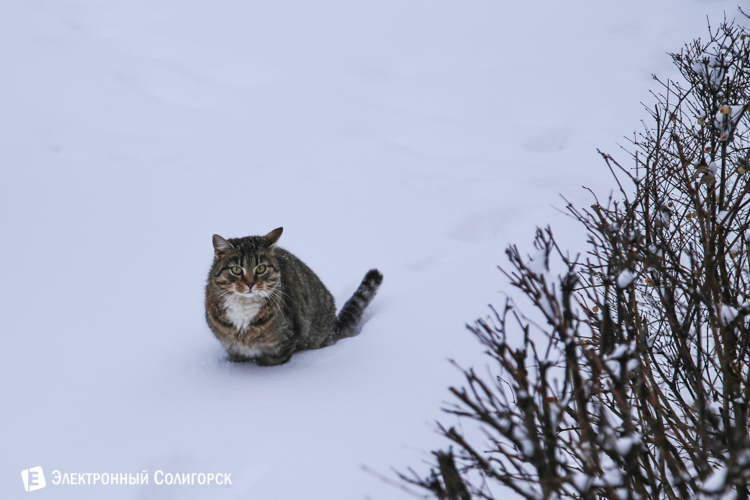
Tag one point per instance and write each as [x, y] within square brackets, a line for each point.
[716, 481]
[418, 137]
[727, 314]
[625, 279]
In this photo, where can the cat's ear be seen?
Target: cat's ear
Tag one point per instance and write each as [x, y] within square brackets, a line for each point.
[221, 245]
[274, 236]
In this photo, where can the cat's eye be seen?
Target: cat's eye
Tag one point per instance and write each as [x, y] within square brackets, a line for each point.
[260, 269]
[236, 270]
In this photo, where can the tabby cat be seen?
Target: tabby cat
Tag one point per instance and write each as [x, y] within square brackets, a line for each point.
[264, 304]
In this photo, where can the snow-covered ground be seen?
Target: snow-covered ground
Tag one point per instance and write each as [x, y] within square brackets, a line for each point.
[419, 137]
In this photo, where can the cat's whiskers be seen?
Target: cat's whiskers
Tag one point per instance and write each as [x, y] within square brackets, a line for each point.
[218, 292]
[272, 297]
[219, 295]
[279, 292]
[281, 295]
[236, 297]
[262, 294]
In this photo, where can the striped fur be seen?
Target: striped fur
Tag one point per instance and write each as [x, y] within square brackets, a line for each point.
[351, 314]
[264, 304]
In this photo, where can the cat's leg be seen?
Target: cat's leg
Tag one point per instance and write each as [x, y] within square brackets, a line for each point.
[268, 360]
[264, 359]
[238, 358]
[278, 355]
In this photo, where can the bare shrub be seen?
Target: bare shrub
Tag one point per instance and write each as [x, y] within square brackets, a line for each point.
[638, 384]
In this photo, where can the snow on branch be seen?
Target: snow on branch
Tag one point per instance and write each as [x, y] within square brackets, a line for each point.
[637, 385]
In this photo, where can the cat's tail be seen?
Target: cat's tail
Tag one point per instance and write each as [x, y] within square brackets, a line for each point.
[351, 314]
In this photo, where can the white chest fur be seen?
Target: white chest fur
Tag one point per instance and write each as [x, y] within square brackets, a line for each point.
[242, 309]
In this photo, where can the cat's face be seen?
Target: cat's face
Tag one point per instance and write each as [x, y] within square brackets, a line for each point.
[246, 266]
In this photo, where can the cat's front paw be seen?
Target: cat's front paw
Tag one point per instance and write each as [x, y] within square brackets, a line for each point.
[266, 360]
[238, 358]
